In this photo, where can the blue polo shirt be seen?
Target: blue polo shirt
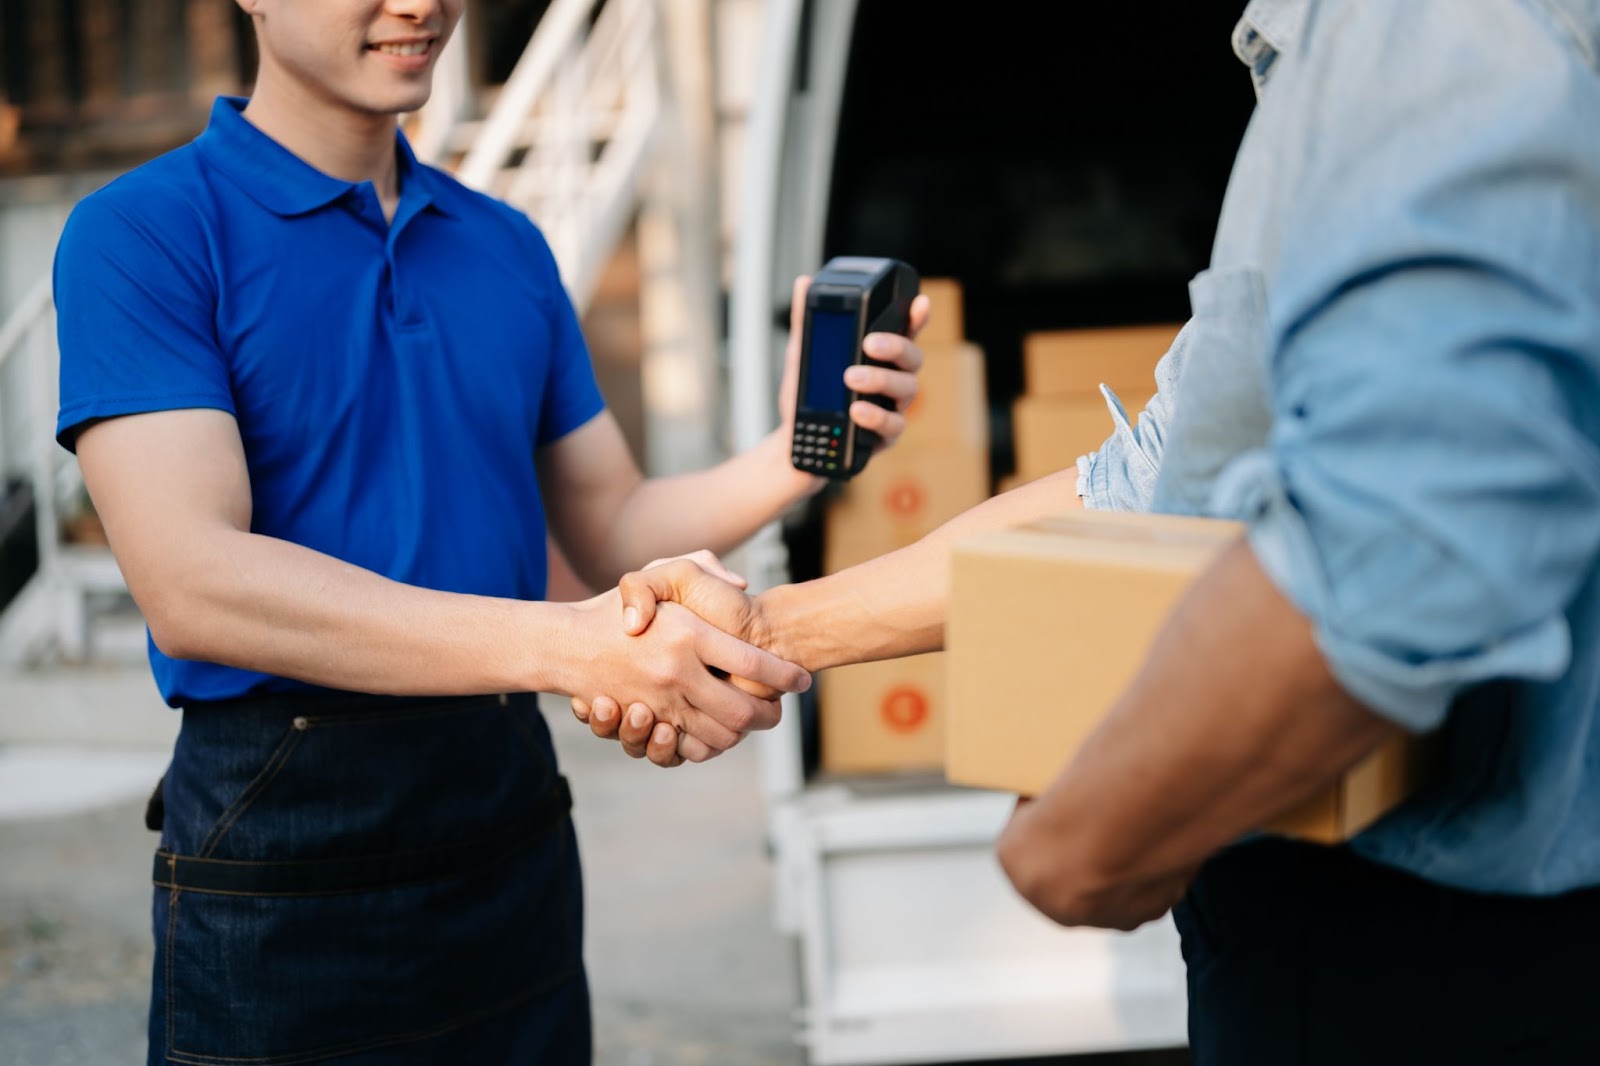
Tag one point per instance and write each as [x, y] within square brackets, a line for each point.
[391, 381]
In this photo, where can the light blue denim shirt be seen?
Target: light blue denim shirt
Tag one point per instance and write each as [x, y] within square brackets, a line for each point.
[1393, 375]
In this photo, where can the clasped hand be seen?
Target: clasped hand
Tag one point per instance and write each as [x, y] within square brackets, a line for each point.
[687, 662]
[700, 585]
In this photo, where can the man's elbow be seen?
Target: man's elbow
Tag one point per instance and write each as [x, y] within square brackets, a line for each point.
[1059, 878]
[174, 639]
[177, 627]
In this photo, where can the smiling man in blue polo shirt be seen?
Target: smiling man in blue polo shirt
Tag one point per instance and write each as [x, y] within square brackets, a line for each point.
[327, 402]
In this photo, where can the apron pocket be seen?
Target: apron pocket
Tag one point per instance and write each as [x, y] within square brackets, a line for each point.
[296, 971]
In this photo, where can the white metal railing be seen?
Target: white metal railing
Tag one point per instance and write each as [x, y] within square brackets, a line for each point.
[50, 614]
[27, 336]
[571, 132]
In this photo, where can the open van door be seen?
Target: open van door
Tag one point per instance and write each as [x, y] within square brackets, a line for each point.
[1065, 181]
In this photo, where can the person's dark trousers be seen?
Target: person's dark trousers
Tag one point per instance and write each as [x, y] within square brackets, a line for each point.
[1301, 955]
[366, 881]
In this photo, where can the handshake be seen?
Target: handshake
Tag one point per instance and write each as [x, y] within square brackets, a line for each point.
[691, 664]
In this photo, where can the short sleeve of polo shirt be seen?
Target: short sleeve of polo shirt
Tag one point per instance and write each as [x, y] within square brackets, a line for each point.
[136, 312]
[571, 395]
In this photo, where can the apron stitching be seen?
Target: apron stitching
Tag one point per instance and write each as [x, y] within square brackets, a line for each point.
[253, 791]
[172, 928]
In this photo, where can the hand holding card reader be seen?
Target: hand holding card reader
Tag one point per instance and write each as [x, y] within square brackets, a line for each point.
[850, 297]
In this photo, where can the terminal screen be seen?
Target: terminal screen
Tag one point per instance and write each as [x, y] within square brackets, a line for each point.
[833, 348]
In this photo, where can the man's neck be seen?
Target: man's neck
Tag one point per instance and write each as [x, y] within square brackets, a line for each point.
[338, 141]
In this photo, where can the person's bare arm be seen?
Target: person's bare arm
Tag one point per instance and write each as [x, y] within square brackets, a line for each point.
[884, 608]
[609, 519]
[1233, 720]
[173, 491]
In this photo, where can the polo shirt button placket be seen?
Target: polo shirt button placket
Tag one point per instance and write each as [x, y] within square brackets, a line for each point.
[402, 311]
[404, 307]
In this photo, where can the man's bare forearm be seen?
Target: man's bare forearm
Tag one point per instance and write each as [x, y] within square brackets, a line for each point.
[258, 603]
[896, 604]
[214, 591]
[1234, 719]
[716, 509]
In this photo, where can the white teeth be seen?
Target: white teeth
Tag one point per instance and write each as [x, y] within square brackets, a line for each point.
[417, 49]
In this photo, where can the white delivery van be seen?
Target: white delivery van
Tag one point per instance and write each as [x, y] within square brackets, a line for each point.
[1065, 163]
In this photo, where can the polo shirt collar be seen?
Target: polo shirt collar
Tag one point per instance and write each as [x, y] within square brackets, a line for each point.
[281, 181]
[418, 184]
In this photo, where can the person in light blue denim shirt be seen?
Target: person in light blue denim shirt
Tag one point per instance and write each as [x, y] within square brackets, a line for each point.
[1393, 376]
[1410, 424]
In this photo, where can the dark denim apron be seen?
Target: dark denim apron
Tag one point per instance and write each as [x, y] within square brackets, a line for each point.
[367, 880]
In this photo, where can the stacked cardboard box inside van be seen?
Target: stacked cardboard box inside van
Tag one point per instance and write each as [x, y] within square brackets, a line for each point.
[1063, 413]
[890, 715]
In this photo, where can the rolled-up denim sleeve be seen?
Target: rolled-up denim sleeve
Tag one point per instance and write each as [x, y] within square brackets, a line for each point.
[1121, 474]
[1430, 494]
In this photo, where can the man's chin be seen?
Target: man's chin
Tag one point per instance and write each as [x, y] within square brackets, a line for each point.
[397, 103]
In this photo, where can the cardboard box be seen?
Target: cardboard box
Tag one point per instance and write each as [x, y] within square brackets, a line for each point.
[1050, 432]
[900, 497]
[1363, 795]
[1076, 362]
[946, 321]
[883, 716]
[1049, 624]
[950, 407]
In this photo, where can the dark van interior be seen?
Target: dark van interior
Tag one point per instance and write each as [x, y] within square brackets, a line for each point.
[1065, 162]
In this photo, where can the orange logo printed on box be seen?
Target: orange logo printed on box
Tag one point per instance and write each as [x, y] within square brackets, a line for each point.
[904, 709]
[904, 498]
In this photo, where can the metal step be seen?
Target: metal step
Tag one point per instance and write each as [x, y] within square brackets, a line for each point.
[85, 706]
